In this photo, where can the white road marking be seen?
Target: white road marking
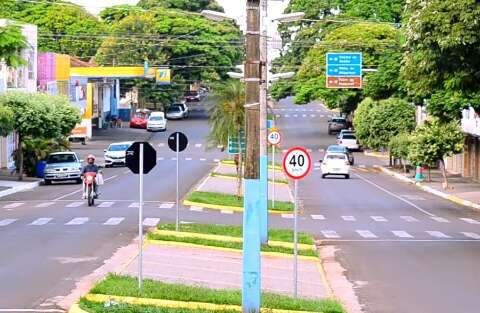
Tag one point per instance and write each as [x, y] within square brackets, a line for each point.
[161, 159]
[198, 145]
[285, 150]
[330, 234]
[349, 218]
[409, 219]
[188, 159]
[167, 205]
[196, 209]
[470, 221]
[203, 160]
[13, 205]
[312, 115]
[440, 219]
[289, 216]
[78, 221]
[394, 195]
[33, 310]
[286, 115]
[7, 221]
[161, 145]
[134, 205]
[114, 221]
[151, 222]
[437, 234]
[413, 197]
[216, 160]
[295, 115]
[106, 204]
[366, 234]
[309, 150]
[173, 159]
[362, 166]
[318, 217]
[472, 235]
[81, 189]
[401, 234]
[41, 221]
[304, 115]
[226, 211]
[44, 204]
[379, 219]
[75, 204]
[278, 115]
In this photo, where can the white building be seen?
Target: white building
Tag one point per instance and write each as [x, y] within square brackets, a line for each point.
[22, 79]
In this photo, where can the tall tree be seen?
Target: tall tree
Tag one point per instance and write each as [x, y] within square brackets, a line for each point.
[442, 62]
[12, 42]
[377, 10]
[186, 5]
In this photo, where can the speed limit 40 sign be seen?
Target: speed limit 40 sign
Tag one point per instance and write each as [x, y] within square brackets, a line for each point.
[274, 137]
[297, 163]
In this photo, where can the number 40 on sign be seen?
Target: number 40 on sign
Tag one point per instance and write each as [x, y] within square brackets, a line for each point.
[297, 163]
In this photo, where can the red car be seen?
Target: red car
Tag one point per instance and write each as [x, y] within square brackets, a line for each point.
[139, 120]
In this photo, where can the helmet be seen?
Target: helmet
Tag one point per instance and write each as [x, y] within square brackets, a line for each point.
[91, 156]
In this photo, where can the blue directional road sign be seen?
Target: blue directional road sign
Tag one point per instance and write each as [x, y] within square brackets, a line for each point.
[354, 58]
[344, 70]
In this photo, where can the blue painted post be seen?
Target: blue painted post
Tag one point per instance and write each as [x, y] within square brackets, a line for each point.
[145, 68]
[251, 247]
[264, 199]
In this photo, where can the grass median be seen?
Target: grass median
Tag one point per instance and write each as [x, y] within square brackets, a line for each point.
[127, 286]
[217, 198]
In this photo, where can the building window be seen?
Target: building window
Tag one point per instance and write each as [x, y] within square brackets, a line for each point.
[31, 64]
[16, 77]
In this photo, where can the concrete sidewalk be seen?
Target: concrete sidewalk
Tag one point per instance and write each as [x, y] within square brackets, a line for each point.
[219, 269]
[9, 186]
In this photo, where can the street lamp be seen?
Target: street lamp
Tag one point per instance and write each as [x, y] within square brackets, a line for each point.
[236, 75]
[278, 76]
[288, 18]
[216, 16]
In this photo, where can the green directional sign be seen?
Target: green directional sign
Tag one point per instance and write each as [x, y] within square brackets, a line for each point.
[233, 147]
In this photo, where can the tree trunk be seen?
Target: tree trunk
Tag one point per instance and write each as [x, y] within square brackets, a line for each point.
[444, 174]
[20, 158]
[391, 161]
[429, 174]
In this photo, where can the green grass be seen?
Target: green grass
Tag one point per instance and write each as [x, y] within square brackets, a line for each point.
[278, 165]
[215, 174]
[227, 244]
[95, 307]
[127, 286]
[236, 231]
[232, 200]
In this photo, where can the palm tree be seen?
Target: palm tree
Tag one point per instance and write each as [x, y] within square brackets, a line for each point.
[227, 118]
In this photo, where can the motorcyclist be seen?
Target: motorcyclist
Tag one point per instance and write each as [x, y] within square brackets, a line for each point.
[91, 167]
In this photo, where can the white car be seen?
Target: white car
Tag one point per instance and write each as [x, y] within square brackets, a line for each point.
[348, 140]
[156, 121]
[335, 164]
[115, 153]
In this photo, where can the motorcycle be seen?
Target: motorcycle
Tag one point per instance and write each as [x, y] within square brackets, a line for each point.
[88, 187]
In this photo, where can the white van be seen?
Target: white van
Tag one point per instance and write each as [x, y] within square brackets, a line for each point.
[157, 121]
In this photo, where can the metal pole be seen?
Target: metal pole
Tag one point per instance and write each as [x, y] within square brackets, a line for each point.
[140, 219]
[177, 219]
[273, 176]
[295, 244]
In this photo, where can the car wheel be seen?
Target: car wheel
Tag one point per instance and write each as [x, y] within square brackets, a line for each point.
[323, 176]
[347, 176]
[47, 181]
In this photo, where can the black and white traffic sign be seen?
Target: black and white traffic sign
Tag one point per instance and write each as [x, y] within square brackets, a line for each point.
[297, 163]
[274, 137]
[132, 158]
[182, 141]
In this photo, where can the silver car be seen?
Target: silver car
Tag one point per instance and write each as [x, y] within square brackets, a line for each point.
[174, 113]
[63, 166]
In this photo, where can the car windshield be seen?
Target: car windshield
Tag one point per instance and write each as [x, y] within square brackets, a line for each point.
[61, 158]
[156, 118]
[174, 109]
[337, 148]
[336, 157]
[338, 120]
[181, 105]
[349, 136]
[122, 147]
[140, 115]
[191, 93]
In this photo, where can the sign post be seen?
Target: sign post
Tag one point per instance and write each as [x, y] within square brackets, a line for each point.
[274, 139]
[344, 70]
[297, 163]
[177, 142]
[140, 158]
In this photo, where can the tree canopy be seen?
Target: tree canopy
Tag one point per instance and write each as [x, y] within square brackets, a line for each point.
[185, 5]
[11, 43]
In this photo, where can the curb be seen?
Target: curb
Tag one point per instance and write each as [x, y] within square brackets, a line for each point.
[178, 304]
[25, 187]
[431, 190]
[226, 207]
[192, 245]
[75, 308]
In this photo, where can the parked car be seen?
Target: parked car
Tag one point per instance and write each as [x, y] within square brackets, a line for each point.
[62, 166]
[140, 119]
[349, 141]
[184, 107]
[174, 113]
[192, 96]
[115, 153]
[345, 131]
[341, 149]
[335, 164]
[157, 121]
[336, 124]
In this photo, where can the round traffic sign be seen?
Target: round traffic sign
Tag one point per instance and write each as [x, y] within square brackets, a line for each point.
[297, 163]
[178, 141]
[274, 137]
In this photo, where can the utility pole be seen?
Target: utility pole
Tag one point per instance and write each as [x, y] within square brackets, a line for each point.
[252, 203]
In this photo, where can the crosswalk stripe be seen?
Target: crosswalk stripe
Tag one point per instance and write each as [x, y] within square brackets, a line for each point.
[366, 234]
[304, 115]
[216, 160]
[437, 234]
[13, 205]
[198, 145]
[409, 219]
[151, 221]
[472, 235]
[196, 209]
[41, 221]
[7, 221]
[289, 216]
[330, 234]
[470, 221]
[114, 221]
[166, 205]
[203, 160]
[439, 219]
[286, 115]
[44, 204]
[78, 221]
[401, 234]
[379, 219]
[161, 145]
[75, 204]
[134, 205]
[226, 211]
[106, 204]
[188, 159]
[312, 115]
[161, 159]
[317, 217]
[295, 115]
[349, 218]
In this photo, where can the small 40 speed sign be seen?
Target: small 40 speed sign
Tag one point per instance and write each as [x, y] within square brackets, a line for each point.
[297, 163]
